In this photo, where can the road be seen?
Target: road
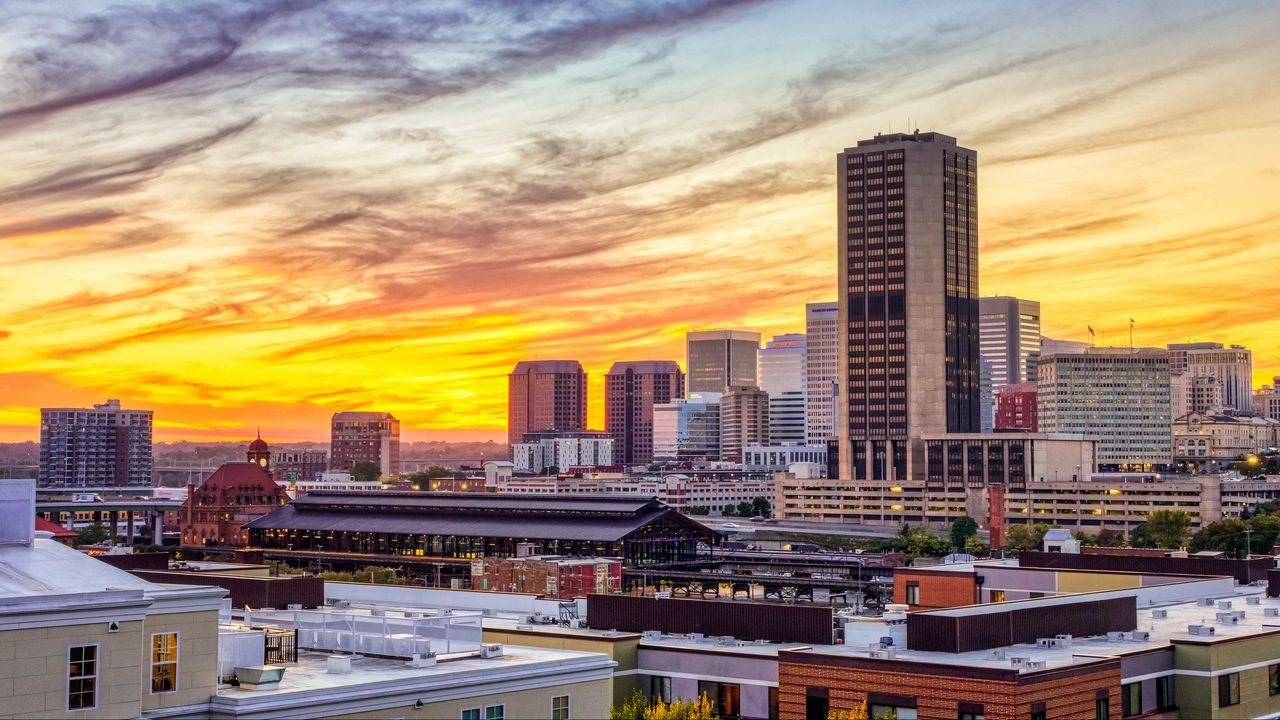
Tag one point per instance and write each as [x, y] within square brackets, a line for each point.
[843, 530]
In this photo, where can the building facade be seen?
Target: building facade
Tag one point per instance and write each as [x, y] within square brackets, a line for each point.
[358, 437]
[577, 450]
[822, 364]
[716, 359]
[298, 465]
[100, 447]
[1266, 402]
[687, 429]
[237, 492]
[545, 395]
[1231, 366]
[770, 458]
[783, 364]
[744, 420]
[631, 389]
[1194, 394]
[1119, 395]
[1010, 338]
[1205, 442]
[908, 269]
[1016, 408]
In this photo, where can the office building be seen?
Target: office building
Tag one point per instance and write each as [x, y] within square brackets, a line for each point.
[771, 458]
[986, 395]
[298, 465]
[1204, 442]
[358, 437]
[1231, 366]
[716, 359]
[687, 429]
[631, 389]
[1194, 394]
[585, 449]
[105, 446]
[1010, 337]
[822, 363]
[744, 420]
[545, 395]
[1266, 402]
[1016, 408]
[908, 269]
[783, 362]
[1119, 395]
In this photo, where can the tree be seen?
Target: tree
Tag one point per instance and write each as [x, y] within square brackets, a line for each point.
[638, 707]
[1265, 529]
[962, 529]
[1140, 537]
[1225, 535]
[1168, 528]
[729, 509]
[365, 472]
[1109, 538]
[698, 510]
[857, 712]
[436, 472]
[919, 542]
[1025, 537]
[975, 547]
[93, 534]
[761, 507]
[745, 508]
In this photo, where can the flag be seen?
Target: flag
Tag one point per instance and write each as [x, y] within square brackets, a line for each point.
[1090, 329]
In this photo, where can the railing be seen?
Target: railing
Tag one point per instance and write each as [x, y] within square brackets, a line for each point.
[389, 635]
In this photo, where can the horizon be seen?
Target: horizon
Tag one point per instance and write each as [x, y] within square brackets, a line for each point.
[258, 217]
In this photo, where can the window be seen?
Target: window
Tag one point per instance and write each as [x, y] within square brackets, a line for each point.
[773, 703]
[1273, 679]
[971, 711]
[471, 714]
[724, 697]
[1164, 692]
[659, 688]
[164, 662]
[560, 707]
[913, 594]
[997, 596]
[1131, 699]
[1228, 689]
[82, 677]
[1038, 711]
[1102, 708]
[495, 712]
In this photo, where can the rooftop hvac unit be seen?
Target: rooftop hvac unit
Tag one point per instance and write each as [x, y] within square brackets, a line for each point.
[1161, 614]
[1204, 602]
[1114, 636]
[651, 635]
[1228, 618]
[762, 642]
[1224, 604]
[697, 637]
[662, 595]
[997, 654]
[293, 606]
[1063, 640]
[1035, 665]
[1019, 661]
[1271, 612]
[885, 654]
[886, 640]
[726, 640]
[578, 623]
[1253, 600]
[1203, 630]
[341, 603]
[1052, 642]
[1138, 635]
[490, 651]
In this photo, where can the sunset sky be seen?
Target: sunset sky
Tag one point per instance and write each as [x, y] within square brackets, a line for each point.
[256, 214]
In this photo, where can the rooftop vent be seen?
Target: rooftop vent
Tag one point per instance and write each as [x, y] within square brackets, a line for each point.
[1137, 635]
[490, 651]
[1203, 630]
[1160, 614]
[1114, 636]
[1204, 602]
[421, 661]
[651, 634]
[1253, 600]
[727, 640]
[1035, 665]
[336, 665]
[1018, 661]
[1271, 612]
[997, 654]
[697, 637]
[1224, 604]
[17, 512]
[1228, 618]
[1053, 642]
[883, 654]
[1064, 639]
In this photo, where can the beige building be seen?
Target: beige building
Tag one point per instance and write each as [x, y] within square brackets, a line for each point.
[1266, 402]
[744, 420]
[1204, 442]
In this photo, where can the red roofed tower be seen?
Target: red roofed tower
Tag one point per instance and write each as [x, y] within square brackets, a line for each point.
[233, 495]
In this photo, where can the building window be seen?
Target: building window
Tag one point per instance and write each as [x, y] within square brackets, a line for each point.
[560, 707]
[913, 594]
[471, 714]
[82, 677]
[724, 697]
[971, 711]
[1038, 711]
[659, 688]
[1102, 708]
[1131, 699]
[164, 662]
[1164, 692]
[495, 712]
[997, 596]
[1228, 689]
[1273, 679]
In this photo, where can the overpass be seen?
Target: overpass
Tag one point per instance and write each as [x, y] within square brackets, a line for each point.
[111, 512]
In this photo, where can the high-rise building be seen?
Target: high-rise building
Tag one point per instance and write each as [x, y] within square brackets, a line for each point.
[687, 429]
[782, 363]
[716, 359]
[1232, 366]
[1009, 329]
[744, 420]
[987, 393]
[631, 389]
[545, 395]
[1016, 408]
[908, 259]
[358, 437]
[100, 447]
[822, 362]
[1266, 402]
[1119, 395]
[1193, 394]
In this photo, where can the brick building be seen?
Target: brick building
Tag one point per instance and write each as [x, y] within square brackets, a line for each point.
[1016, 408]
[234, 494]
[558, 577]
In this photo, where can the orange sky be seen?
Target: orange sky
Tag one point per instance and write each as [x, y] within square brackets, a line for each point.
[244, 219]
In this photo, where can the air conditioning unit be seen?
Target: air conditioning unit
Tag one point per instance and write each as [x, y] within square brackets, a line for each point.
[726, 640]
[1228, 618]
[580, 623]
[1036, 665]
[1203, 630]
[885, 654]
[1204, 602]
[1063, 640]
[490, 651]
[997, 654]
[1052, 642]
[697, 637]
[1224, 604]
[1019, 661]
[1138, 636]
[1253, 600]
[341, 604]
[1114, 636]
[1271, 612]
[651, 635]
[1160, 614]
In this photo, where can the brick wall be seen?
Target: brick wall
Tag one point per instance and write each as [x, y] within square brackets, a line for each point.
[937, 589]
[1068, 693]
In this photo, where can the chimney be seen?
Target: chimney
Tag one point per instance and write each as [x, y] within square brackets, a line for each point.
[17, 512]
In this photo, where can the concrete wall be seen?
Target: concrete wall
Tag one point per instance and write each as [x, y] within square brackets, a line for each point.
[753, 674]
[620, 650]
[1250, 656]
[33, 671]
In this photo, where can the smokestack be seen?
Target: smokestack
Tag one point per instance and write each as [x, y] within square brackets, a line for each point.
[17, 512]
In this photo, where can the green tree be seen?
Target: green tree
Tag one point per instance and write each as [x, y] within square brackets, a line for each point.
[638, 707]
[918, 542]
[1168, 528]
[92, 534]
[1251, 466]
[975, 547]
[365, 472]
[962, 529]
[729, 509]
[1224, 535]
[760, 506]
[1140, 537]
[436, 472]
[1265, 529]
[1025, 537]
[745, 508]
[698, 510]
[1107, 537]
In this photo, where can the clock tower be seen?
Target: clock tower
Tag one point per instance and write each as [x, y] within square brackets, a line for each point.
[260, 453]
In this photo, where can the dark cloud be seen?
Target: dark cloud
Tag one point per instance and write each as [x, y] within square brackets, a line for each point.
[57, 223]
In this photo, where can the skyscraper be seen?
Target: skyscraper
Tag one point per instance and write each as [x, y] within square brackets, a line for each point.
[545, 395]
[631, 389]
[822, 359]
[744, 420]
[908, 258]
[106, 446]
[1232, 366]
[687, 429]
[782, 375]
[716, 359]
[358, 437]
[1009, 338]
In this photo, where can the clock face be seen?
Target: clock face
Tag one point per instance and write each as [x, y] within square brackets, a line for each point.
[262, 462]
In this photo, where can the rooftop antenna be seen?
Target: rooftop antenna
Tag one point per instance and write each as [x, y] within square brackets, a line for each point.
[1130, 333]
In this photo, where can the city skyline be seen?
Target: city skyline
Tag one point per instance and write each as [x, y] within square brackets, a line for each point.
[210, 267]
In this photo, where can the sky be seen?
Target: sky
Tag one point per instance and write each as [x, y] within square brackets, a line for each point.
[259, 213]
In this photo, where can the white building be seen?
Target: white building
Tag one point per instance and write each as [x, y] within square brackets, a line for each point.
[329, 480]
[783, 362]
[769, 458]
[822, 361]
[562, 453]
[687, 428]
[1009, 338]
[1232, 366]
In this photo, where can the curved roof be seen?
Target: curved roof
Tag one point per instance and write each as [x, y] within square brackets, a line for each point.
[239, 474]
[547, 366]
[645, 367]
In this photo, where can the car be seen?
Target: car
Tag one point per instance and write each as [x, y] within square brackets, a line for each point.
[732, 525]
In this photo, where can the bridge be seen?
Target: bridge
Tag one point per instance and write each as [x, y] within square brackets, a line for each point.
[111, 512]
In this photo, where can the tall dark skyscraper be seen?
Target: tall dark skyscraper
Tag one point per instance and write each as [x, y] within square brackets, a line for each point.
[716, 359]
[631, 389]
[908, 254]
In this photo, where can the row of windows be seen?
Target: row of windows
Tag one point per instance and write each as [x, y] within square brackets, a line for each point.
[82, 670]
